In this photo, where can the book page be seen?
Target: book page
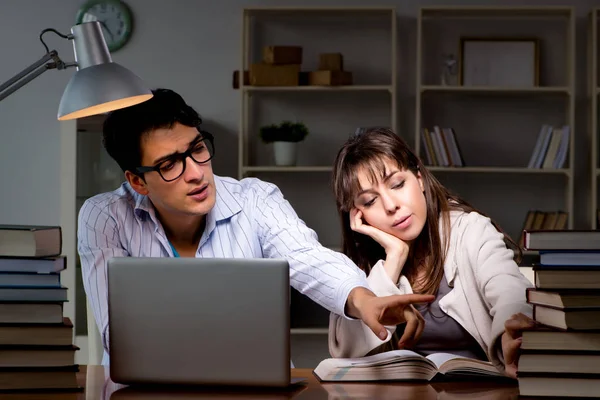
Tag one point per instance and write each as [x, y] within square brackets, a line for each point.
[451, 363]
[440, 358]
[390, 365]
[382, 358]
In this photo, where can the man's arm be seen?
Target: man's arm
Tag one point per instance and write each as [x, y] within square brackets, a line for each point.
[97, 242]
[325, 276]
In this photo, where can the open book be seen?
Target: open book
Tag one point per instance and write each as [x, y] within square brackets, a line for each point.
[403, 365]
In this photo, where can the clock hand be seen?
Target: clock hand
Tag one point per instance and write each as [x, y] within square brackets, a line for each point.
[107, 30]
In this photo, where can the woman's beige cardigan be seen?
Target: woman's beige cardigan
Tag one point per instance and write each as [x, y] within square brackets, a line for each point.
[487, 288]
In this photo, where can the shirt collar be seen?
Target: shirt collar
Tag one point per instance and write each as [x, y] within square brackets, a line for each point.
[143, 207]
[226, 204]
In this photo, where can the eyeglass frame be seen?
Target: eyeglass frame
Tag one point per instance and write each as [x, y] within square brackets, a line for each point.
[183, 157]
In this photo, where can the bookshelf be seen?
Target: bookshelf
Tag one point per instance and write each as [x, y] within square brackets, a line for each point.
[497, 125]
[255, 33]
[366, 38]
[593, 92]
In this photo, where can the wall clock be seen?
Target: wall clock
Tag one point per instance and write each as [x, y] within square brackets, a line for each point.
[113, 15]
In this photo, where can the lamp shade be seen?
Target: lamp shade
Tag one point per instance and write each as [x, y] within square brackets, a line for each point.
[99, 85]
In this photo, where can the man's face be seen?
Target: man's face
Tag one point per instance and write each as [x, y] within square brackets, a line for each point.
[193, 193]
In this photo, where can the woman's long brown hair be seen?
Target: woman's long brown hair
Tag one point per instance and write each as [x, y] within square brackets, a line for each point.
[369, 150]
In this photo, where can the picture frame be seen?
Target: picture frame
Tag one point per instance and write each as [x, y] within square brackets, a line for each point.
[499, 61]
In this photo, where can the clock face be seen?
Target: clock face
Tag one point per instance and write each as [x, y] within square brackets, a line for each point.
[114, 17]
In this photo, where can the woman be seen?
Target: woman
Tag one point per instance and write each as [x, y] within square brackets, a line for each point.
[411, 235]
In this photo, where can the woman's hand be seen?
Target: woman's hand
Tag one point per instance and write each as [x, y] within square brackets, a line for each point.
[378, 312]
[415, 324]
[396, 250]
[511, 341]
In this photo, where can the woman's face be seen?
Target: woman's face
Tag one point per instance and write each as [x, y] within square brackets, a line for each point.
[395, 203]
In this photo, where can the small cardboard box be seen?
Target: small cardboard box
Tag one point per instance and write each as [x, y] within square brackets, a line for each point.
[331, 62]
[274, 75]
[280, 55]
[329, 78]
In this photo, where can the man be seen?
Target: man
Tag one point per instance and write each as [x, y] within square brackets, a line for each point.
[172, 205]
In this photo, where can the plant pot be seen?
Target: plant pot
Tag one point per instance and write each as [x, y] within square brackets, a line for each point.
[285, 153]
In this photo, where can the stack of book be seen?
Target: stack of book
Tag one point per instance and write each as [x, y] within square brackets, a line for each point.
[561, 357]
[536, 220]
[36, 340]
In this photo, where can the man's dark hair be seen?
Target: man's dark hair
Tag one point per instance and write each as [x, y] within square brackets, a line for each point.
[124, 129]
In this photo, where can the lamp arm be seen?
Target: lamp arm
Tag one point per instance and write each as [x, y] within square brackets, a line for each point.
[50, 60]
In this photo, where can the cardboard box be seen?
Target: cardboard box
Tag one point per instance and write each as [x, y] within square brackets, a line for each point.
[329, 78]
[331, 62]
[274, 75]
[280, 55]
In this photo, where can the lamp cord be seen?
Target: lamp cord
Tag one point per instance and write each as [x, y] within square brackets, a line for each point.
[54, 31]
[56, 61]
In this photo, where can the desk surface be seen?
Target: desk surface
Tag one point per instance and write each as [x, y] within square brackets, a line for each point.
[98, 386]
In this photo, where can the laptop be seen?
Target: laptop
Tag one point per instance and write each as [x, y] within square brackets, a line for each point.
[199, 321]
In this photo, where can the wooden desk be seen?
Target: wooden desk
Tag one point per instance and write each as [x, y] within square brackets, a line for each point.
[99, 387]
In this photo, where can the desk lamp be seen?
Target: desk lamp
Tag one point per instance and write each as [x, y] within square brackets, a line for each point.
[99, 85]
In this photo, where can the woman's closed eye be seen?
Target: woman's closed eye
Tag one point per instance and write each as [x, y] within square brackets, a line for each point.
[370, 202]
[398, 185]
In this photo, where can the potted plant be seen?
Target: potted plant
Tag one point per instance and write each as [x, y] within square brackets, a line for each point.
[285, 138]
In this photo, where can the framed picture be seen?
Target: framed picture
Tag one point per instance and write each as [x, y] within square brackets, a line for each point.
[512, 62]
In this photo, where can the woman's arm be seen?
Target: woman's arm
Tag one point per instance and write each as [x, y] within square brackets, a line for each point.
[396, 250]
[499, 280]
[352, 338]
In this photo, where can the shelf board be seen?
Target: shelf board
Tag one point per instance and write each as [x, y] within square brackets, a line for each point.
[287, 169]
[326, 9]
[345, 88]
[508, 170]
[309, 331]
[496, 12]
[496, 89]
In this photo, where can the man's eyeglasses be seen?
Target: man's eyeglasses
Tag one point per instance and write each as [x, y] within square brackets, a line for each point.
[200, 151]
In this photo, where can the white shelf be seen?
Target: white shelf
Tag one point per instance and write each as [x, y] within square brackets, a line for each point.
[430, 99]
[507, 170]
[535, 90]
[346, 88]
[328, 9]
[309, 331]
[594, 88]
[287, 169]
[495, 12]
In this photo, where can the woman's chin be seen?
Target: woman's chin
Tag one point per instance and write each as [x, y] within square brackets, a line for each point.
[408, 235]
